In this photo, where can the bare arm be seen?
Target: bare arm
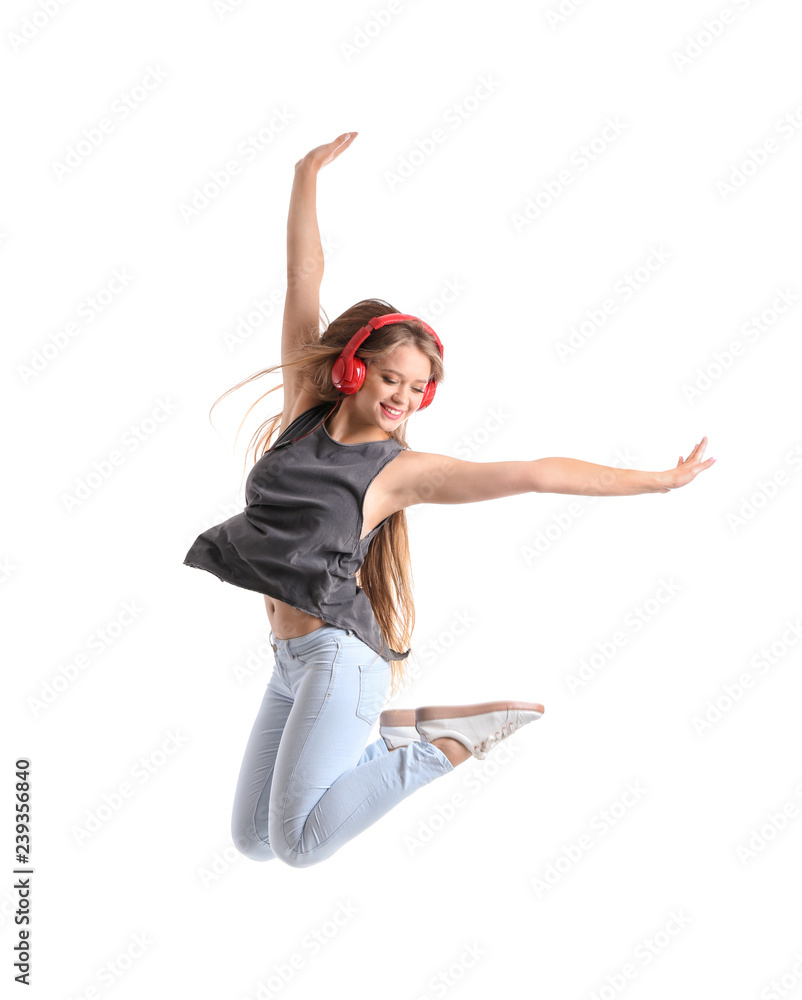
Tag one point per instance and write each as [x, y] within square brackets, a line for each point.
[304, 265]
[569, 475]
[584, 479]
[431, 478]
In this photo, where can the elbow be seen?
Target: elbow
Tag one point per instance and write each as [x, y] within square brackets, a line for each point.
[538, 477]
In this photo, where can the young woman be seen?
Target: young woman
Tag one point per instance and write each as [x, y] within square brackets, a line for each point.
[324, 509]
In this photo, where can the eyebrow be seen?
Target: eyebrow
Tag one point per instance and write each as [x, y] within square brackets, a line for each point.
[395, 372]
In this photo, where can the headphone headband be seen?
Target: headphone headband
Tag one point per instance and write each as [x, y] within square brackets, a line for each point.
[348, 372]
[379, 321]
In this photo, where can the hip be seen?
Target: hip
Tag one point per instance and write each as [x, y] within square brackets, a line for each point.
[334, 665]
[327, 643]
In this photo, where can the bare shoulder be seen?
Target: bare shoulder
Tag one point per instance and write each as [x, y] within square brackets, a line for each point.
[409, 478]
[410, 463]
[406, 463]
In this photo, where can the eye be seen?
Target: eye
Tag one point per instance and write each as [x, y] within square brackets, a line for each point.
[390, 381]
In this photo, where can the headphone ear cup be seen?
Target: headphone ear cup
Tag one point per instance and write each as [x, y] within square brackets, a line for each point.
[358, 374]
[428, 395]
[348, 375]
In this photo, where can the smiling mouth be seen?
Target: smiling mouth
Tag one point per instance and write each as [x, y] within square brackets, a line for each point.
[391, 413]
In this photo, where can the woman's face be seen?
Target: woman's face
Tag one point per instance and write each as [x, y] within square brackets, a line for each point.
[394, 386]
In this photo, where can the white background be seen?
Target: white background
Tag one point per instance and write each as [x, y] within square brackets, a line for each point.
[713, 835]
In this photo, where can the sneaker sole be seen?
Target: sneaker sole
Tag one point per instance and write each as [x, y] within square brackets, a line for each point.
[398, 717]
[438, 712]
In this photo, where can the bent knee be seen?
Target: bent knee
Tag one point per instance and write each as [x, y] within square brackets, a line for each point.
[290, 844]
[251, 846]
[295, 855]
[297, 859]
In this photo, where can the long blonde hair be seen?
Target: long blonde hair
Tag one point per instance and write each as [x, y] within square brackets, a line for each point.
[386, 574]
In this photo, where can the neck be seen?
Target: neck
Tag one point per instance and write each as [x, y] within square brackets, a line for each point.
[345, 430]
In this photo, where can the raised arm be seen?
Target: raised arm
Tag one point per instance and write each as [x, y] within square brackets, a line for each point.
[304, 268]
[430, 478]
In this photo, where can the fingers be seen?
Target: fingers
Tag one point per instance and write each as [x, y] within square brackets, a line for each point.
[701, 446]
[344, 140]
[341, 143]
[692, 465]
[699, 461]
[322, 155]
[698, 454]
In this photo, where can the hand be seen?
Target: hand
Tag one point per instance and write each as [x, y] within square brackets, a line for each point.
[321, 155]
[686, 469]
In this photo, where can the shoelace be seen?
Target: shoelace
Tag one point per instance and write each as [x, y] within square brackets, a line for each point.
[490, 741]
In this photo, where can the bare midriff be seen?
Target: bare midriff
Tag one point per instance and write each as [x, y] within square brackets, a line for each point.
[287, 622]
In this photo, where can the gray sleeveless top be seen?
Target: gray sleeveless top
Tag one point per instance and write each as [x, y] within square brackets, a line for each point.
[298, 537]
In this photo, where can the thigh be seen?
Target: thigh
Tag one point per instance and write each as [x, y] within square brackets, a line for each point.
[340, 686]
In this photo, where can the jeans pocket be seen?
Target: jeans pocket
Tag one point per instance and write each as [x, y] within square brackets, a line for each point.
[375, 681]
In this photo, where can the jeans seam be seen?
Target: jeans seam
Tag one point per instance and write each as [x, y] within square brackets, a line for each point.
[361, 689]
[279, 671]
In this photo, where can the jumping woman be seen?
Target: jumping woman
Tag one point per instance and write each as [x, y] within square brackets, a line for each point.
[323, 537]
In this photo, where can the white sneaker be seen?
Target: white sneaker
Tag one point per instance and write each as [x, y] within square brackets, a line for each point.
[397, 727]
[478, 727]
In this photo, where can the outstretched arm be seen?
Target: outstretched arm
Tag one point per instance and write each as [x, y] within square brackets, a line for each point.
[429, 478]
[568, 475]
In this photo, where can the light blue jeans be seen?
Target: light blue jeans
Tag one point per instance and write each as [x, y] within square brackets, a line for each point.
[308, 783]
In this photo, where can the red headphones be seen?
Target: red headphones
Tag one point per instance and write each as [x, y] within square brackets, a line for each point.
[349, 371]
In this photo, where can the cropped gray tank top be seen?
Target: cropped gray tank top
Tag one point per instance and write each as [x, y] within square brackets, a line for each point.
[298, 537]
